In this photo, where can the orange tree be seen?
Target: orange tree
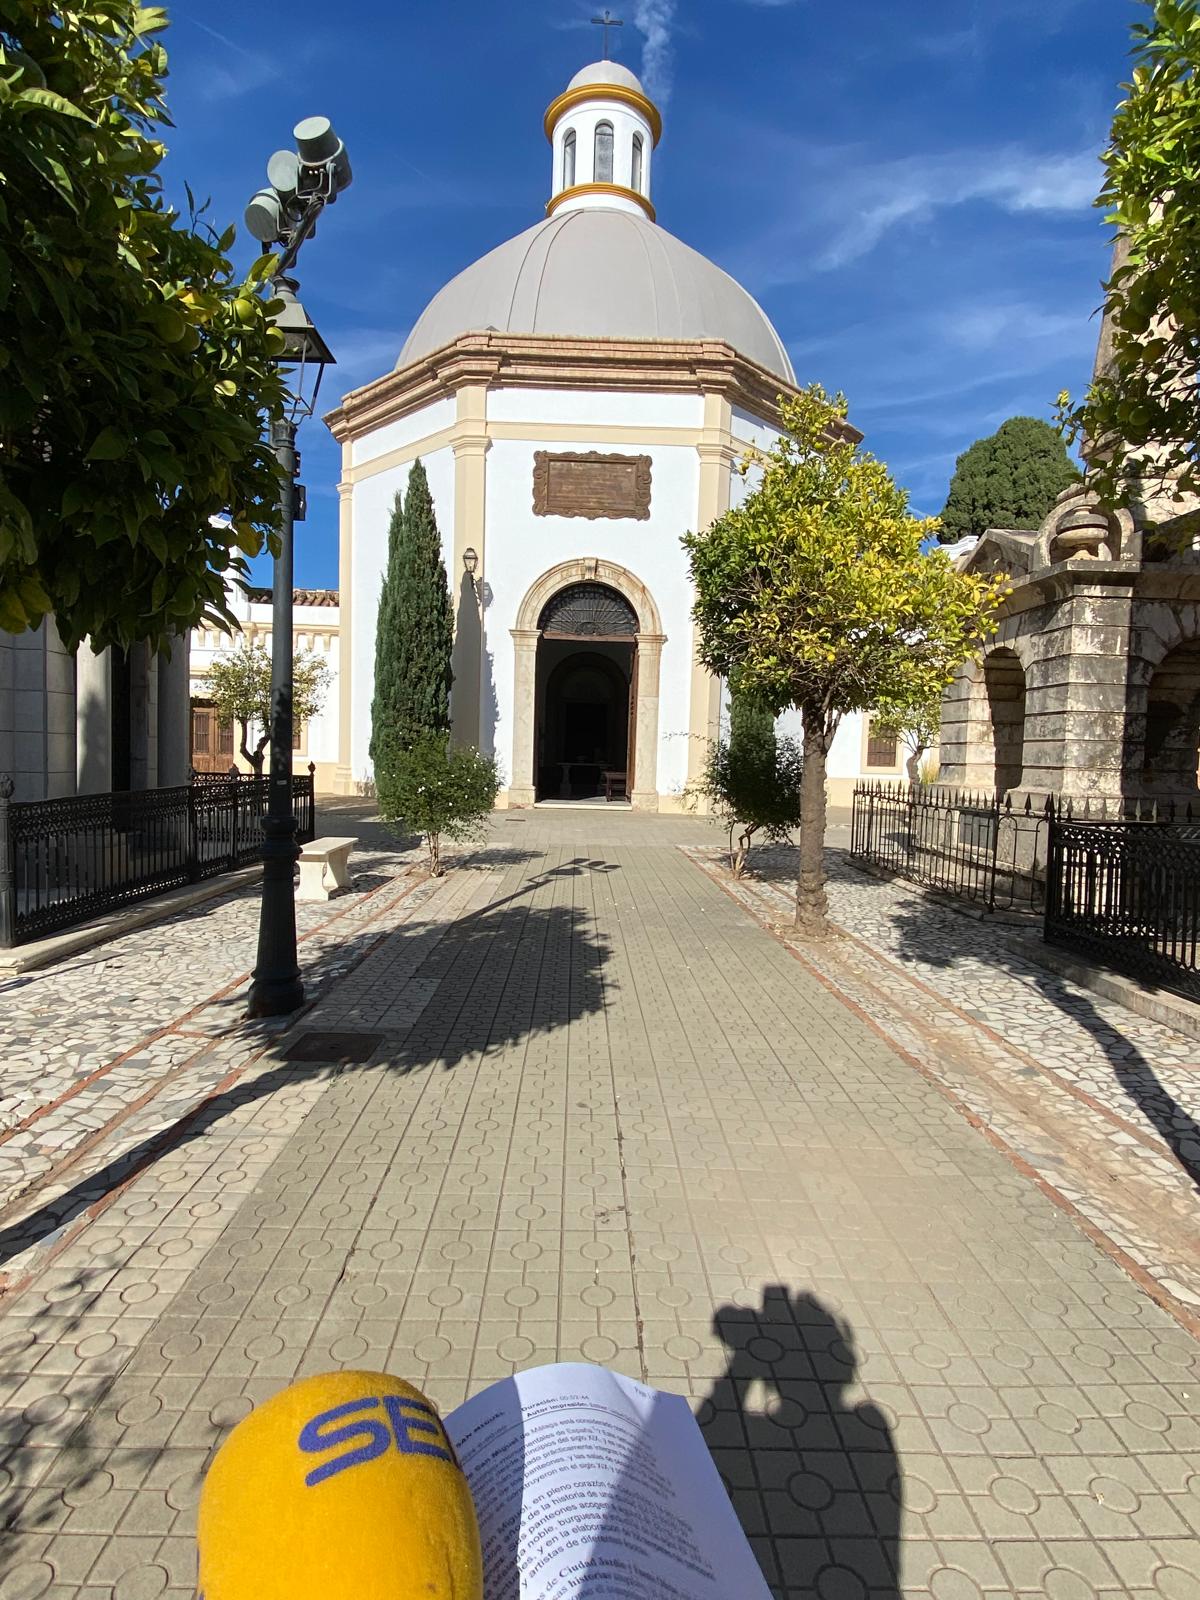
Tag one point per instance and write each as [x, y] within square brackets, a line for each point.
[816, 592]
[136, 367]
[1142, 411]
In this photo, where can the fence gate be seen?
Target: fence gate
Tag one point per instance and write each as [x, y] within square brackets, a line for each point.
[1128, 892]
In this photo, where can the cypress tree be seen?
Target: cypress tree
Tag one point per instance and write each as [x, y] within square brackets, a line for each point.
[1008, 480]
[415, 628]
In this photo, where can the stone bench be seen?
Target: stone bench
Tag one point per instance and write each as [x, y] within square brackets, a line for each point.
[321, 858]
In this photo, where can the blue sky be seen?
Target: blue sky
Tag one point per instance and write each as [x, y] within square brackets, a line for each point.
[905, 185]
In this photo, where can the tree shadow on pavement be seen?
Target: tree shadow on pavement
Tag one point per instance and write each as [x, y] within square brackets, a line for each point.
[479, 983]
[61, 1417]
[942, 938]
[814, 1472]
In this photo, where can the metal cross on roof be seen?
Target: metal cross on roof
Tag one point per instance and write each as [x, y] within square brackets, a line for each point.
[606, 22]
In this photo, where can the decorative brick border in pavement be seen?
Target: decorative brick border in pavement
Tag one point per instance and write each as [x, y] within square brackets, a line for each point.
[75, 1170]
[87, 1041]
[1028, 1074]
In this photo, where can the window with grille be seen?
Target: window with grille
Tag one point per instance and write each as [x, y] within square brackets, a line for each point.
[881, 747]
[225, 738]
[603, 169]
[200, 720]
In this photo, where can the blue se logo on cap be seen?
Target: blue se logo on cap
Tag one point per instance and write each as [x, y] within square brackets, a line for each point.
[371, 1436]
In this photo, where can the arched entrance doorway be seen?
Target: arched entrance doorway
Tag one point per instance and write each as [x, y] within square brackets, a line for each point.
[1004, 680]
[1171, 754]
[584, 607]
[586, 670]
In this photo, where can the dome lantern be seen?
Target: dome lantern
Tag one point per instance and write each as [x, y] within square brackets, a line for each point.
[602, 130]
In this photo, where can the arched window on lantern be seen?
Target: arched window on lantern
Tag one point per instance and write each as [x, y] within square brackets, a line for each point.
[635, 172]
[568, 170]
[602, 169]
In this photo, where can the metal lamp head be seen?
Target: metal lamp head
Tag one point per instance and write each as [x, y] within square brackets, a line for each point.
[303, 345]
[265, 217]
[283, 173]
[471, 560]
[319, 146]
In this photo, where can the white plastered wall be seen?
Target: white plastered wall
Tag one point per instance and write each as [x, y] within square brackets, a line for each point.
[520, 546]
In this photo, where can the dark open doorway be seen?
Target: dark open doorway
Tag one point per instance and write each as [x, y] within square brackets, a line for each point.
[583, 719]
[586, 692]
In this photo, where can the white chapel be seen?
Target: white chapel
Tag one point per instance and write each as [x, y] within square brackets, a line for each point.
[580, 397]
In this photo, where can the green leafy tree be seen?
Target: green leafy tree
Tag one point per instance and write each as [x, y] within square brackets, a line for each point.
[239, 686]
[916, 727]
[436, 790]
[752, 780]
[1141, 414]
[136, 367]
[414, 631]
[815, 593]
[1008, 480]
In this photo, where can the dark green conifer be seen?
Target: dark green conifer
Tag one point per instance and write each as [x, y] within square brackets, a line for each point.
[414, 630]
[1008, 480]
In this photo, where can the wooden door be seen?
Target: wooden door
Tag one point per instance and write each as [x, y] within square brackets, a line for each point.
[212, 741]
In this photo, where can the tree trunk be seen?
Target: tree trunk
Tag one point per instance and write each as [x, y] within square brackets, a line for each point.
[255, 756]
[913, 764]
[811, 905]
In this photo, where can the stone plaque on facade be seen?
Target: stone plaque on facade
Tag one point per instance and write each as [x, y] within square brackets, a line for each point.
[589, 484]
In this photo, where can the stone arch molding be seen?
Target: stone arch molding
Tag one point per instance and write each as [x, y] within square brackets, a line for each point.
[650, 640]
[586, 570]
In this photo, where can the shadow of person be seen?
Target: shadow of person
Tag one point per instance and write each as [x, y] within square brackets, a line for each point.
[812, 1473]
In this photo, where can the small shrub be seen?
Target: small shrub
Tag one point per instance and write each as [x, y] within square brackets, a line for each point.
[752, 782]
[437, 791]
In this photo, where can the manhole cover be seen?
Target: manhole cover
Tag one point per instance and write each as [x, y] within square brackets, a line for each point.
[333, 1047]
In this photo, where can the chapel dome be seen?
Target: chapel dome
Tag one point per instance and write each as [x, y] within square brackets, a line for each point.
[601, 274]
[599, 266]
[606, 72]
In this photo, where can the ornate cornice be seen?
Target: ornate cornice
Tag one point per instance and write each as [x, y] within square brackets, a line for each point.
[602, 91]
[554, 361]
[620, 189]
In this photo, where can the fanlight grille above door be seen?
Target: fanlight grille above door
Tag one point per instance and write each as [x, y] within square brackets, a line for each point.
[588, 611]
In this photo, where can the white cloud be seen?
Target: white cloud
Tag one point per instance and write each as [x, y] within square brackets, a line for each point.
[914, 188]
[655, 19]
[238, 71]
[362, 355]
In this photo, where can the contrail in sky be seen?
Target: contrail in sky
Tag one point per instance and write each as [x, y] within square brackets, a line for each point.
[654, 19]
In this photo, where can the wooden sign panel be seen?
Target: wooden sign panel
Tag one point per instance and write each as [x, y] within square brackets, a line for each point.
[589, 484]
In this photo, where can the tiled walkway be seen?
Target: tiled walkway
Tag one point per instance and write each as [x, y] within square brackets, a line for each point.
[1102, 1104]
[610, 1116]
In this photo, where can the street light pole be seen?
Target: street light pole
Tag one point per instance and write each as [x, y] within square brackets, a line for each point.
[277, 989]
[302, 184]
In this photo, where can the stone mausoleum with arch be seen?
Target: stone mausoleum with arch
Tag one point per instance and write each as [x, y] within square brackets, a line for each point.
[580, 397]
[1090, 687]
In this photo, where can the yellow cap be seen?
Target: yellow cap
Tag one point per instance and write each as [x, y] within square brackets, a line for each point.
[342, 1487]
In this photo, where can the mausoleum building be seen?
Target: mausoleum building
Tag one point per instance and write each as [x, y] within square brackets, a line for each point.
[580, 397]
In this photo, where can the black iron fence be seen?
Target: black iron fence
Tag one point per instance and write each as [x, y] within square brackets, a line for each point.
[975, 847]
[1128, 892]
[65, 861]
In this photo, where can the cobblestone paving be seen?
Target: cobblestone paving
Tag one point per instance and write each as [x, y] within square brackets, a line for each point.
[613, 1118]
[84, 1041]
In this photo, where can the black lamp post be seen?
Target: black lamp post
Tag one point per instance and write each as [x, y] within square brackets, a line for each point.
[303, 182]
